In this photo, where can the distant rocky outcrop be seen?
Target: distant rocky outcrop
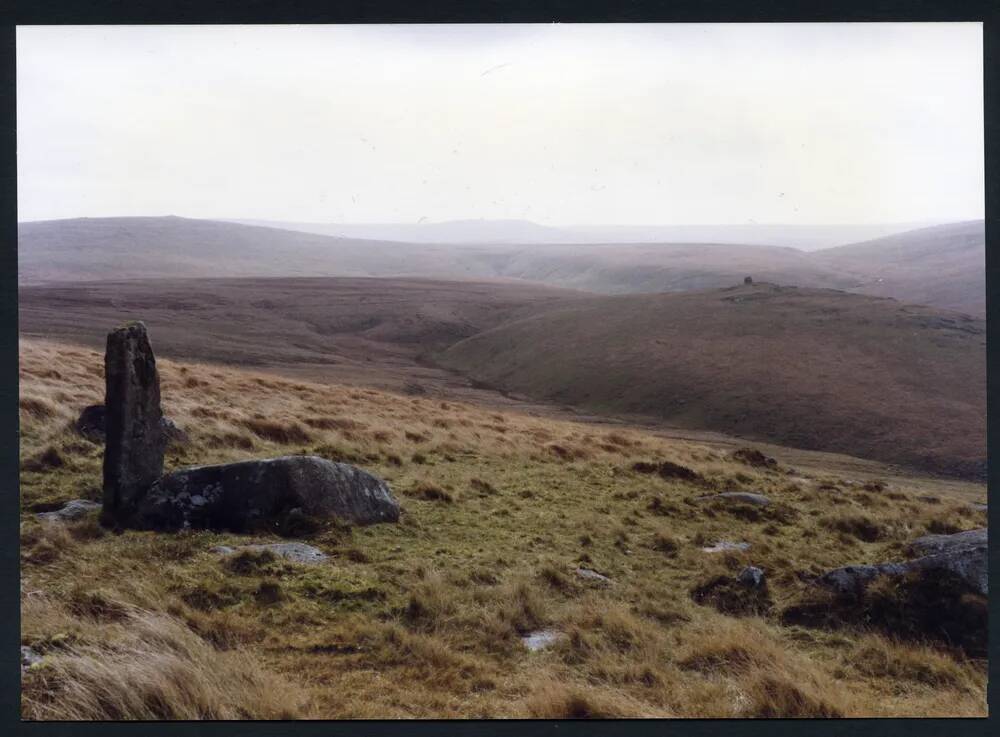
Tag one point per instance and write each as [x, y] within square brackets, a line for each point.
[253, 494]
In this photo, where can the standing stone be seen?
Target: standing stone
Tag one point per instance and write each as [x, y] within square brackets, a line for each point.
[135, 438]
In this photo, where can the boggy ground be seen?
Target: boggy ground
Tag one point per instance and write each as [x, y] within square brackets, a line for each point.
[424, 618]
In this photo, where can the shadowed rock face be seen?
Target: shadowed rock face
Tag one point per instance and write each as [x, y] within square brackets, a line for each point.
[253, 494]
[963, 555]
[135, 438]
[91, 424]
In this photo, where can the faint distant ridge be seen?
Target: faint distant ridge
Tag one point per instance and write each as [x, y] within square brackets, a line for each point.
[942, 266]
[512, 231]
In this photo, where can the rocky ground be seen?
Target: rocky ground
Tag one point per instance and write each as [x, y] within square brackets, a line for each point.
[539, 568]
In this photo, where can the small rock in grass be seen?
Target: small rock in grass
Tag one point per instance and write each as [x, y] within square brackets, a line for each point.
[752, 577]
[736, 496]
[725, 546]
[541, 639]
[29, 658]
[590, 575]
[295, 552]
[76, 509]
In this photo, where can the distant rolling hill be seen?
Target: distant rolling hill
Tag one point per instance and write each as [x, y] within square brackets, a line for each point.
[525, 232]
[941, 266]
[355, 330]
[163, 247]
[944, 265]
[809, 368]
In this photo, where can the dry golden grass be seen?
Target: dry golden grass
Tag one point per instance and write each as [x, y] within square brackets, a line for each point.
[432, 610]
[131, 664]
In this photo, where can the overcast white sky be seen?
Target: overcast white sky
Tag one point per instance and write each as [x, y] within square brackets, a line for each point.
[560, 124]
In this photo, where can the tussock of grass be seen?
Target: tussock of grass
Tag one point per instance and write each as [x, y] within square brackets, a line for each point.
[155, 669]
[278, 432]
[48, 459]
[858, 525]
[665, 543]
[551, 699]
[880, 658]
[429, 491]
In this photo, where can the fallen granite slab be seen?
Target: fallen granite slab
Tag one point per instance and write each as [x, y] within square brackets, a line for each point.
[963, 554]
[295, 552]
[255, 494]
[945, 543]
[855, 579]
[72, 510]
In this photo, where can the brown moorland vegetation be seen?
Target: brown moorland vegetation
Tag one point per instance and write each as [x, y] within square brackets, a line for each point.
[808, 368]
[140, 625]
[815, 369]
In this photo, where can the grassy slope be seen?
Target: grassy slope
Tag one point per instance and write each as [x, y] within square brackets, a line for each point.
[807, 368]
[422, 618]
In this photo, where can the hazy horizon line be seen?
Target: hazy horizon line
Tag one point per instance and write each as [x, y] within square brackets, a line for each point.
[428, 222]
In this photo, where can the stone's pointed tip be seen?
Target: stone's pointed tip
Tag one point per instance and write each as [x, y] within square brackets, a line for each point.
[128, 324]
